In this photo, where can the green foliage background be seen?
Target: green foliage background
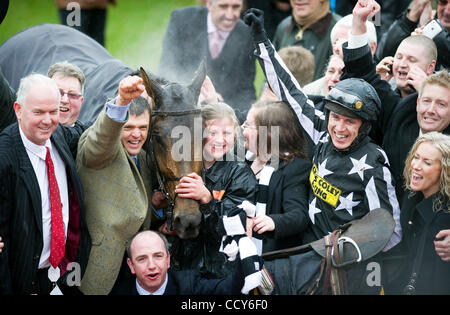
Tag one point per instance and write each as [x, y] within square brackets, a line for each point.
[134, 29]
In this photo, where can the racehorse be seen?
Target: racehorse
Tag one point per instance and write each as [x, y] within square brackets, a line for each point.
[174, 106]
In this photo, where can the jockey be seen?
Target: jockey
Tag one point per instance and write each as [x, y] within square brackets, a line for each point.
[350, 175]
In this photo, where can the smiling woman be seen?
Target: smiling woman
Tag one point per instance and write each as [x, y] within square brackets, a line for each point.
[223, 185]
[425, 215]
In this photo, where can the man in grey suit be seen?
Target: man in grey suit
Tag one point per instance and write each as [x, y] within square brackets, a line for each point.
[214, 33]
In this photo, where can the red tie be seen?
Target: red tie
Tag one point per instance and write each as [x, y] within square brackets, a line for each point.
[57, 248]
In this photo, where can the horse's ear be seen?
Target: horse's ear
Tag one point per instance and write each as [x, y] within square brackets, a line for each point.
[153, 89]
[199, 77]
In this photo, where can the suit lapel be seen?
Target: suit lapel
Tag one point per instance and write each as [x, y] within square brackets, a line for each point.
[171, 288]
[28, 177]
[425, 210]
[229, 53]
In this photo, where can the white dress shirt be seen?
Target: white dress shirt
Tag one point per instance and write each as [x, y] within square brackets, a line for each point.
[36, 154]
[160, 291]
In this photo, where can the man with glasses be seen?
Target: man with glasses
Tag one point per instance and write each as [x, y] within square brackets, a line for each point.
[70, 81]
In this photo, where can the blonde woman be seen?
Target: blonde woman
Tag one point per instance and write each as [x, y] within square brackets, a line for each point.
[223, 185]
[425, 215]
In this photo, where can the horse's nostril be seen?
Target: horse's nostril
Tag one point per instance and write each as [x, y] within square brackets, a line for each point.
[187, 225]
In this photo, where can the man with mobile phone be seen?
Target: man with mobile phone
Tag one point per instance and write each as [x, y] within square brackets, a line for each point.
[403, 119]
[418, 20]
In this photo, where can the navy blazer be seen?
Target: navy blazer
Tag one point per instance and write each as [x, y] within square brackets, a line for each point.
[190, 282]
[21, 211]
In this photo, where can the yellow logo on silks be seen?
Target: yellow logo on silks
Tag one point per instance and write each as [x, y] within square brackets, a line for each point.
[323, 189]
[218, 194]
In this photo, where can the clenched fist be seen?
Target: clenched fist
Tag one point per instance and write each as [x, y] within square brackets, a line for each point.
[129, 88]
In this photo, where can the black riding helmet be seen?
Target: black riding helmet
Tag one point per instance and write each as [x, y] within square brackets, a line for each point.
[357, 99]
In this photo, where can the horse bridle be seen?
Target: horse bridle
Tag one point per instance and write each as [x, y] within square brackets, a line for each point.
[159, 175]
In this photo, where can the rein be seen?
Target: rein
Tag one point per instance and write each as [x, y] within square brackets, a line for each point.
[159, 175]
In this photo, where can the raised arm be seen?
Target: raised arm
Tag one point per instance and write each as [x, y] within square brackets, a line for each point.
[281, 80]
[102, 141]
[359, 62]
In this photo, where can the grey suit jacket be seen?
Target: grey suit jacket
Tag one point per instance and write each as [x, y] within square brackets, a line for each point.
[185, 45]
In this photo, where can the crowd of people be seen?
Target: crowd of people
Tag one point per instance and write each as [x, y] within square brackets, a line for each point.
[350, 119]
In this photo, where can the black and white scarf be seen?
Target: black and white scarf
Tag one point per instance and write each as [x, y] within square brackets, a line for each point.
[235, 241]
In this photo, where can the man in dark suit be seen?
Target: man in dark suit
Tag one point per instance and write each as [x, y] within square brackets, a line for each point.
[216, 34]
[42, 218]
[150, 261]
[402, 119]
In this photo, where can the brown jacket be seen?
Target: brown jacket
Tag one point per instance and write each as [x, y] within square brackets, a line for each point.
[117, 198]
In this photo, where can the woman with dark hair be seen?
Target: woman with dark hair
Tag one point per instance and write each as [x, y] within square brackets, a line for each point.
[280, 164]
[425, 215]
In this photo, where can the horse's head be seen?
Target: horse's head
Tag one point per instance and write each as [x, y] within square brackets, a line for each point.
[176, 137]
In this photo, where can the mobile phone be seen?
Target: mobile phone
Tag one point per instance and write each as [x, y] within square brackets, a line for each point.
[412, 88]
[432, 29]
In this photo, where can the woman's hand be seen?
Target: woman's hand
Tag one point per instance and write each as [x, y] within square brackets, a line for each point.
[263, 223]
[159, 200]
[249, 227]
[208, 93]
[163, 229]
[192, 186]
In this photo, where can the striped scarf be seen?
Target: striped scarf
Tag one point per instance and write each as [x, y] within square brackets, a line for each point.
[236, 241]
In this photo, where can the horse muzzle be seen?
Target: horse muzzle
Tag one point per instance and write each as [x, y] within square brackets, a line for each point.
[187, 218]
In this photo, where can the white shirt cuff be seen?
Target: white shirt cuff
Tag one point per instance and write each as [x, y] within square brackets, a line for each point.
[357, 41]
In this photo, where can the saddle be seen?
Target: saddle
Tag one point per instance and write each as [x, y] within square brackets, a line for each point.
[348, 244]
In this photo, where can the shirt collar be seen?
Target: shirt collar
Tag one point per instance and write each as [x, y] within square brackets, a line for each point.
[38, 150]
[160, 291]
[320, 27]
[211, 28]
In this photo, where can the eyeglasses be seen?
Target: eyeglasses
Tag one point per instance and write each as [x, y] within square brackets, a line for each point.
[245, 125]
[70, 96]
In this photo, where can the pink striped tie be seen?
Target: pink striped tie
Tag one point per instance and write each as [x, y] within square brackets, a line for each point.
[215, 45]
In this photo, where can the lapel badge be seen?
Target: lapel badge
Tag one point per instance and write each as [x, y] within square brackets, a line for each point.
[218, 194]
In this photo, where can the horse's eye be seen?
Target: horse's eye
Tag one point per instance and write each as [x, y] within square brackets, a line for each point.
[158, 140]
